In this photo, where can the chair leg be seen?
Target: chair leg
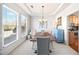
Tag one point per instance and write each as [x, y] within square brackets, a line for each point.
[33, 46]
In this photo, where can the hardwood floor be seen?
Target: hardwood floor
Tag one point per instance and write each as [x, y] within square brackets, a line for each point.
[58, 49]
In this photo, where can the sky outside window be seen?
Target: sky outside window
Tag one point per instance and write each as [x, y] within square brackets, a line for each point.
[9, 17]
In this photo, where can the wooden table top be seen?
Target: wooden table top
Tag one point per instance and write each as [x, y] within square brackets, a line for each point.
[43, 35]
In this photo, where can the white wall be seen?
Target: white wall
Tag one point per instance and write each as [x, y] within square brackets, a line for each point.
[35, 24]
[12, 46]
[0, 28]
[29, 24]
[67, 11]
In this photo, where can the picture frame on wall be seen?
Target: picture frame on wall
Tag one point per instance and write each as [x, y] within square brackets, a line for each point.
[59, 21]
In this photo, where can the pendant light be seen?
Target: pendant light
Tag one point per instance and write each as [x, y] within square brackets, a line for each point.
[43, 21]
[42, 18]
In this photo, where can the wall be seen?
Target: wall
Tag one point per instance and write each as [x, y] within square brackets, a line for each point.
[20, 40]
[0, 27]
[67, 11]
[29, 24]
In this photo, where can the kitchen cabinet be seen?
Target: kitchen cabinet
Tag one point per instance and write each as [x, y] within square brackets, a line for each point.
[73, 40]
[78, 41]
[74, 19]
[73, 31]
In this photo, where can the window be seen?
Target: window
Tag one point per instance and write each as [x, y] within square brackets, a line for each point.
[23, 24]
[43, 24]
[9, 25]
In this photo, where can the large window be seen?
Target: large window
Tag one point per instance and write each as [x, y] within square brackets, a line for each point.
[23, 25]
[9, 25]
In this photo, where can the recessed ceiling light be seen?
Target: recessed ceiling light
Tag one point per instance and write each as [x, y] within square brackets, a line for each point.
[31, 6]
[42, 6]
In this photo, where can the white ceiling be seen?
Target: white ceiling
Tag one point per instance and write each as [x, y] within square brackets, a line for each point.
[49, 8]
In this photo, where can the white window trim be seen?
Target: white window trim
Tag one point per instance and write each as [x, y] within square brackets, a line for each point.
[3, 28]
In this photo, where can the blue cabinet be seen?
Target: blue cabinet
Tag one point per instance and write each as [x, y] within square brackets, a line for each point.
[59, 35]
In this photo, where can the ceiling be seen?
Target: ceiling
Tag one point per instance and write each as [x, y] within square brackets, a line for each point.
[35, 9]
[48, 8]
